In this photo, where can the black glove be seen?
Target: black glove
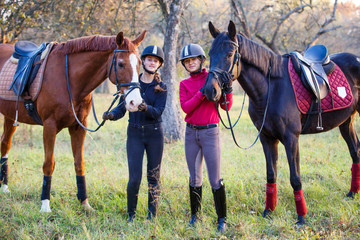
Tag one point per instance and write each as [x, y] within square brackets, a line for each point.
[227, 87]
[143, 107]
[227, 82]
[108, 116]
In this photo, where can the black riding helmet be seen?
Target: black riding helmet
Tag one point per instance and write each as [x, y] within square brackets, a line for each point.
[152, 50]
[192, 50]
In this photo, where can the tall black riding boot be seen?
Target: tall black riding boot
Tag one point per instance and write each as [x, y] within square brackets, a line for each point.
[220, 206]
[153, 199]
[132, 199]
[195, 203]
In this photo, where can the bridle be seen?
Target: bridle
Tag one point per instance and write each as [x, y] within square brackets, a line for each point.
[132, 86]
[228, 76]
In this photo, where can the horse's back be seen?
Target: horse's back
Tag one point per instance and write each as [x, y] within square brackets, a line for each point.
[348, 63]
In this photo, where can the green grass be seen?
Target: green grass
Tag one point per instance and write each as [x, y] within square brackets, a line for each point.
[325, 167]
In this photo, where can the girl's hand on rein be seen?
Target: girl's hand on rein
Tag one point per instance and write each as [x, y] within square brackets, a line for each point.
[143, 107]
[108, 116]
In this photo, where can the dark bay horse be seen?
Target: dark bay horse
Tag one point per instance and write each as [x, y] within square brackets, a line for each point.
[91, 60]
[250, 64]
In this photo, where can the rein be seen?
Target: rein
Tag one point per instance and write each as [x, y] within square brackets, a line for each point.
[218, 73]
[132, 86]
[228, 116]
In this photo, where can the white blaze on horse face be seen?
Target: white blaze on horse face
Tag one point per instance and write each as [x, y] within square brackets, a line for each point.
[45, 206]
[133, 99]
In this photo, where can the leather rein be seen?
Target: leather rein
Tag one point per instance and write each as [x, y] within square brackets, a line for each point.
[219, 73]
[132, 86]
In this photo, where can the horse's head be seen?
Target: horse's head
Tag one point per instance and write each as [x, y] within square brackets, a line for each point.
[124, 70]
[224, 61]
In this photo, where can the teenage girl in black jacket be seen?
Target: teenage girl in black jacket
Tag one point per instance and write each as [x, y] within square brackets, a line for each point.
[145, 132]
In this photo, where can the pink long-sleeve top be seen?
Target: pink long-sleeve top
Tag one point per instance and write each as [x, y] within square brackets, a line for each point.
[199, 110]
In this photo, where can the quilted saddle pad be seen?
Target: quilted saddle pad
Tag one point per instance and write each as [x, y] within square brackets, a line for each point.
[342, 96]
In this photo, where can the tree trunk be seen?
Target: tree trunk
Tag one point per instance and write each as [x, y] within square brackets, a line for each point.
[172, 118]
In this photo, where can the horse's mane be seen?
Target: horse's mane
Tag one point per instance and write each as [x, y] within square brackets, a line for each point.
[90, 43]
[260, 57]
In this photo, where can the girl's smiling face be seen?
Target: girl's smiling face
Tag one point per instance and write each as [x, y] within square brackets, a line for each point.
[192, 64]
[152, 63]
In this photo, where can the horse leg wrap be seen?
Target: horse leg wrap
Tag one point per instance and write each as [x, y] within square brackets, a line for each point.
[4, 171]
[46, 188]
[271, 196]
[81, 186]
[355, 178]
[300, 203]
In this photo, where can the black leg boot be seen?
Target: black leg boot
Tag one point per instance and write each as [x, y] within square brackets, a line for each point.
[220, 206]
[195, 203]
[153, 199]
[132, 198]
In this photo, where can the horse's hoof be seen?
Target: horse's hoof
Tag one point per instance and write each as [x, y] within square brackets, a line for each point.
[266, 214]
[350, 195]
[301, 221]
[86, 207]
[45, 206]
[5, 189]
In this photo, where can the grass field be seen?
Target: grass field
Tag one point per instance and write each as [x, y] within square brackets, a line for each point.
[325, 168]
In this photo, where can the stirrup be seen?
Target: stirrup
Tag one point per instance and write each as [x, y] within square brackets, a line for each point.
[15, 124]
[319, 126]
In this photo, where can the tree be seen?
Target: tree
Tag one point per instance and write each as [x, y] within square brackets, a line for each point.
[286, 25]
[173, 124]
[15, 16]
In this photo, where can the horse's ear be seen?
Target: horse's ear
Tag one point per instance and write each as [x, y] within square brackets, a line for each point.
[232, 30]
[139, 39]
[120, 38]
[213, 30]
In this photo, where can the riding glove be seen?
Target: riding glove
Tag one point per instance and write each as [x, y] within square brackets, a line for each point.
[108, 116]
[143, 107]
[227, 87]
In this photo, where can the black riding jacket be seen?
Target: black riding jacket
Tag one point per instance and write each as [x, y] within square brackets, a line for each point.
[155, 101]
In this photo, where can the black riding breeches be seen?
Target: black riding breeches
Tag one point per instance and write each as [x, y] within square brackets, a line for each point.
[149, 139]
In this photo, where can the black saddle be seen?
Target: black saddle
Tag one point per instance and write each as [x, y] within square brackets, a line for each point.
[27, 53]
[313, 69]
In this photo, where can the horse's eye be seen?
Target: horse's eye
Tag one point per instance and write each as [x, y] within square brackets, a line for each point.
[229, 55]
[121, 65]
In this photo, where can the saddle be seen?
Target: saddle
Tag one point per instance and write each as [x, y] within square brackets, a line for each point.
[313, 69]
[28, 56]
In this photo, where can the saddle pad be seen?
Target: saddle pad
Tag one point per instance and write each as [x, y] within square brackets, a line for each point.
[7, 75]
[341, 92]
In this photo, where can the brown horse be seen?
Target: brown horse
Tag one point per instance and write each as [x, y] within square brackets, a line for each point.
[91, 60]
[264, 77]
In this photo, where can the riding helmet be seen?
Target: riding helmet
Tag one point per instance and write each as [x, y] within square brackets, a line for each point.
[153, 50]
[192, 50]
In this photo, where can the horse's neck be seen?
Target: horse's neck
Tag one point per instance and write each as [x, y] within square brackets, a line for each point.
[257, 62]
[89, 71]
[254, 83]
